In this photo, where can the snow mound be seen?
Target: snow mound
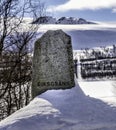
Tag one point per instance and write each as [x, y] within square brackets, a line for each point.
[67, 109]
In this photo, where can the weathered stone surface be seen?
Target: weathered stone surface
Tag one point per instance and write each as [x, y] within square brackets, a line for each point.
[52, 62]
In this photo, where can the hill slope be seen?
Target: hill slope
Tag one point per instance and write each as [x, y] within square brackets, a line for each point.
[86, 36]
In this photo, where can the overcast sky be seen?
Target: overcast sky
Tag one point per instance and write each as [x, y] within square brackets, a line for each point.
[96, 10]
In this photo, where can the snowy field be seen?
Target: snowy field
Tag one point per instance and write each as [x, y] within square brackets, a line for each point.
[99, 89]
[87, 106]
[68, 109]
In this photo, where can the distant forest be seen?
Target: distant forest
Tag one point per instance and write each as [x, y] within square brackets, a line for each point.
[99, 63]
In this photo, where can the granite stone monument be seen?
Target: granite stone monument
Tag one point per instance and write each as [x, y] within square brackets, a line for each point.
[52, 62]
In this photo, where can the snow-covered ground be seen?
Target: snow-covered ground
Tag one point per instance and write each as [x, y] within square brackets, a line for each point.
[69, 109]
[99, 89]
[87, 106]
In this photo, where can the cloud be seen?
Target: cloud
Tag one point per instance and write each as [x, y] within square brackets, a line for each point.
[84, 4]
[114, 10]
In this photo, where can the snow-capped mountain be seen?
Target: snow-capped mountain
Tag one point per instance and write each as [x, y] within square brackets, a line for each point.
[72, 20]
[45, 20]
[62, 20]
[66, 20]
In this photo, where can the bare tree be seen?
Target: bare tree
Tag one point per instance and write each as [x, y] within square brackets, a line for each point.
[15, 54]
[38, 8]
[15, 73]
[9, 20]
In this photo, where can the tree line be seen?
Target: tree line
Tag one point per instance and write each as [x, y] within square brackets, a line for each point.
[105, 68]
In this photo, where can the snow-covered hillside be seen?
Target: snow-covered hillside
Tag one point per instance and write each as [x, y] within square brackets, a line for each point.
[86, 36]
[65, 110]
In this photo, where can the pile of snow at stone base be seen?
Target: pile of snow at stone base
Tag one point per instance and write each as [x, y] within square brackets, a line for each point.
[67, 109]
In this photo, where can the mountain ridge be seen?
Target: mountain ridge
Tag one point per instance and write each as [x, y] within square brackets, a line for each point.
[62, 20]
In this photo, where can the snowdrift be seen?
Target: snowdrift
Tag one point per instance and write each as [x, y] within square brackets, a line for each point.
[67, 109]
